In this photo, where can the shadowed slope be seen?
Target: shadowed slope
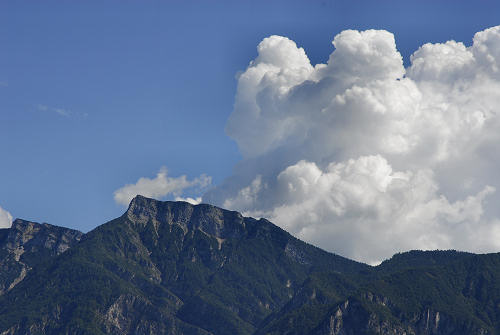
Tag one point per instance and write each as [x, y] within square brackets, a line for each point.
[174, 268]
[196, 269]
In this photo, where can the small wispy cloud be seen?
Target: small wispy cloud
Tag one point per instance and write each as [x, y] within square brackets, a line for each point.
[57, 110]
[61, 111]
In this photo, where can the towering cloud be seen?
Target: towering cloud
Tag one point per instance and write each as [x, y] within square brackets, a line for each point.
[364, 157]
[5, 218]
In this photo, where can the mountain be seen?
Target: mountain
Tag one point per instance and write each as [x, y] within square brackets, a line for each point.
[167, 267]
[433, 292]
[175, 268]
[26, 244]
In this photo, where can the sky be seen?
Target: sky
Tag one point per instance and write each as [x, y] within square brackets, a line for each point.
[374, 152]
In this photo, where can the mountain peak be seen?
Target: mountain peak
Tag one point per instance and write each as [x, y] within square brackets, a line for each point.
[140, 199]
[210, 219]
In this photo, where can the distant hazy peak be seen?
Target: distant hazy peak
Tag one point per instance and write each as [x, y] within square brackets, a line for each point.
[40, 235]
[22, 225]
[25, 244]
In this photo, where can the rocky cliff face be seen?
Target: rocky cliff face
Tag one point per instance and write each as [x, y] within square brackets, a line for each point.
[132, 314]
[211, 220]
[352, 318]
[26, 244]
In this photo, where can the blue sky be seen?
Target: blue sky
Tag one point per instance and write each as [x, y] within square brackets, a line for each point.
[94, 95]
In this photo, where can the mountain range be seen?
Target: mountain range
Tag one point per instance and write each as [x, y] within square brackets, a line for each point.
[175, 268]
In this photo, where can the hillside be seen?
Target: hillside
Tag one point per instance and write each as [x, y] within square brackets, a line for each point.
[176, 268]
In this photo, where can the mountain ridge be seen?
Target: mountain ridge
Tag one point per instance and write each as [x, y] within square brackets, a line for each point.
[177, 268]
[25, 244]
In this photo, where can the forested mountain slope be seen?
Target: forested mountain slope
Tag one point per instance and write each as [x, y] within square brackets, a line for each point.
[176, 268]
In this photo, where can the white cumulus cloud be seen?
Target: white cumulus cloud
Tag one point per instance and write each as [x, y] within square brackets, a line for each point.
[365, 157]
[5, 218]
[161, 186]
[367, 210]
